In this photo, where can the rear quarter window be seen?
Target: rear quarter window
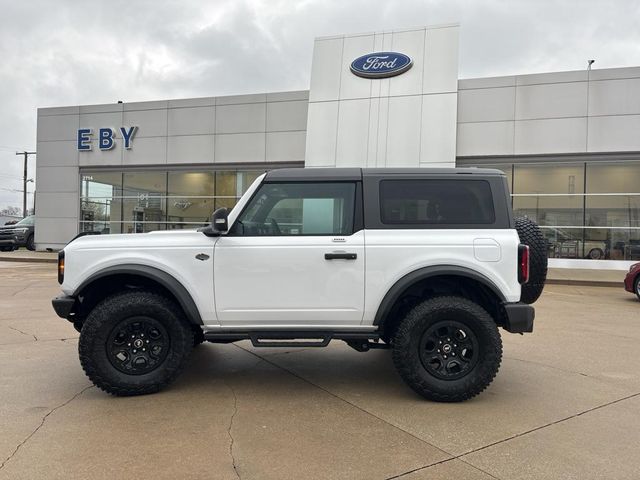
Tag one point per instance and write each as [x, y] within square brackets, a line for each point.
[436, 202]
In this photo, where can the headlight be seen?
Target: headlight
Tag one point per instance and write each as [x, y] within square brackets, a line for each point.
[21, 230]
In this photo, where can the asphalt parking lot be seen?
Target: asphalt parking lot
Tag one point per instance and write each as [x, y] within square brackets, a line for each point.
[565, 404]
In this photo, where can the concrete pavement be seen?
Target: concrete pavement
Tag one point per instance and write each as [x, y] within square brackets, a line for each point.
[565, 404]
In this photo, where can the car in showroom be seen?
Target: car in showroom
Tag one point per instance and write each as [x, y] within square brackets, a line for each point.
[562, 244]
[632, 280]
[21, 234]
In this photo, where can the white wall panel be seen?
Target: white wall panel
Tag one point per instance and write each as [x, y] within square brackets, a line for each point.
[551, 101]
[245, 118]
[283, 116]
[353, 129]
[150, 123]
[614, 134]
[438, 129]
[54, 231]
[352, 86]
[614, 97]
[485, 138]
[58, 204]
[147, 151]
[57, 154]
[550, 136]
[58, 127]
[322, 124]
[441, 60]
[100, 120]
[486, 104]
[190, 149]
[410, 43]
[325, 69]
[57, 179]
[191, 121]
[97, 157]
[403, 132]
[240, 148]
[286, 146]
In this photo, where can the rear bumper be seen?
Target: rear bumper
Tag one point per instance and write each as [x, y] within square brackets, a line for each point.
[63, 305]
[519, 317]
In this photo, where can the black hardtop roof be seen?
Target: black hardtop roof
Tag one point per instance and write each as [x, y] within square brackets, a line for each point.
[352, 174]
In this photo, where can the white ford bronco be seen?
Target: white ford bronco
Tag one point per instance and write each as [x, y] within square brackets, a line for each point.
[425, 262]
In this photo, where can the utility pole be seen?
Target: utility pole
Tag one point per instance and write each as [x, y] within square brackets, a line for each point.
[24, 181]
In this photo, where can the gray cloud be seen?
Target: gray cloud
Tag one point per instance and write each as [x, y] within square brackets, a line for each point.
[72, 52]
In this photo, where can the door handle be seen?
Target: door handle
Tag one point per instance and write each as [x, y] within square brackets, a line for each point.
[340, 256]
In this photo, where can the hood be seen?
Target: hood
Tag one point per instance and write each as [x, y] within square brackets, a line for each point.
[168, 238]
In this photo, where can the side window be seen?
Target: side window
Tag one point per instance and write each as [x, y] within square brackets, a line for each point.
[433, 202]
[299, 209]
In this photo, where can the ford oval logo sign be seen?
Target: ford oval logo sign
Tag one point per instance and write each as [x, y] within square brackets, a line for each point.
[381, 65]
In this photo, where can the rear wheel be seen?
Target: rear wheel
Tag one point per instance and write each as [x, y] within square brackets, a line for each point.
[134, 343]
[596, 254]
[447, 349]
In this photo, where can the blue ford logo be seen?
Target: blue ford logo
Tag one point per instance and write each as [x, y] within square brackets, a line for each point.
[381, 64]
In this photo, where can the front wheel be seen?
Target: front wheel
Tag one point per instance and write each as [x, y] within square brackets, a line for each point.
[31, 244]
[447, 349]
[134, 343]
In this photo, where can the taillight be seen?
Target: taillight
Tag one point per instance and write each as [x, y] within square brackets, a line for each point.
[61, 267]
[523, 263]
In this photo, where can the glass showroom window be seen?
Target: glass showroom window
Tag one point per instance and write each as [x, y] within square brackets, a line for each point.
[144, 201]
[190, 199]
[101, 202]
[552, 195]
[613, 208]
[136, 202]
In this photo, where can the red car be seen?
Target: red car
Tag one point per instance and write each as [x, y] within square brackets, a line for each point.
[632, 280]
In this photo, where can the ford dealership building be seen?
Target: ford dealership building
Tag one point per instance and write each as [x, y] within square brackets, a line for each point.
[569, 143]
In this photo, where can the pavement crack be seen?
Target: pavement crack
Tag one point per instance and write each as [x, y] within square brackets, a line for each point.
[512, 437]
[24, 333]
[42, 422]
[231, 439]
[21, 290]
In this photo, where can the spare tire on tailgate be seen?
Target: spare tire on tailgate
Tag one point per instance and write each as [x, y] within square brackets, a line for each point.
[531, 235]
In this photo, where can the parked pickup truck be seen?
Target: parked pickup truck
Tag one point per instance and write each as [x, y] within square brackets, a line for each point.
[426, 262]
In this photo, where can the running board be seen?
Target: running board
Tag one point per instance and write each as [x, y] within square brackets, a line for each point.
[290, 339]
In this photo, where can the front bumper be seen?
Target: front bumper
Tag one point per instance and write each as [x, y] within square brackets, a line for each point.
[519, 317]
[629, 281]
[63, 305]
[7, 242]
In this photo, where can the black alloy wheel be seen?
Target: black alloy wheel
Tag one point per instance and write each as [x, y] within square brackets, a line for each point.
[449, 350]
[138, 345]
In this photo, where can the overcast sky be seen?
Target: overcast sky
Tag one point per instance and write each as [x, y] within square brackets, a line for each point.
[81, 52]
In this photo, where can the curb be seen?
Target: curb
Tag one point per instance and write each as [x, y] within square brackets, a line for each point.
[584, 283]
[28, 260]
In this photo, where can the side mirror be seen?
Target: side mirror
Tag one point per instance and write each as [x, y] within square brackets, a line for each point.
[219, 223]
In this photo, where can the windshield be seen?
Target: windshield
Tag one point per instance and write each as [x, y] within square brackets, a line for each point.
[27, 221]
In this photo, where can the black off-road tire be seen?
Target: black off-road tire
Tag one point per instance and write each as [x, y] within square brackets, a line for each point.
[103, 321]
[31, 245]
[531, 235]
[408, 341]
